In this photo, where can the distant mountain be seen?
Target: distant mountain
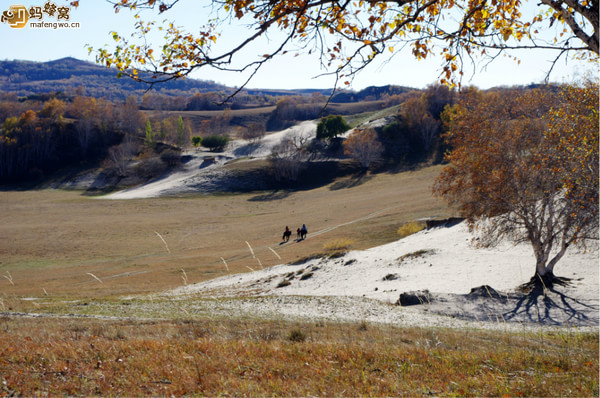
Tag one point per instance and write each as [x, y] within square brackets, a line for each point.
[370, 93]
[69, 74]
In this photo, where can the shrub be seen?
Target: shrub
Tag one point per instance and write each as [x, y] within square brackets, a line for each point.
[254, 132]
[297, 336]
[331, 126]
[216, 143]
[416, 254]
[196, 140]
[171, 157]
[364, 146]
[284, 283]
[338, 244]
[288, 159]
[410, 228]
[306, 276]
[150, 168]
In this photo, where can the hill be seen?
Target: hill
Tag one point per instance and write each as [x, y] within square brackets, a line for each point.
[67, 75]
[72, 76]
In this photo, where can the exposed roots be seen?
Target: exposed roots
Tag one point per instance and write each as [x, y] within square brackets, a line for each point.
[538, 283]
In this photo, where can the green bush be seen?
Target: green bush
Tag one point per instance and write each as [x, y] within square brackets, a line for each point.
[196, 140]
[216, 143]
[331, 126]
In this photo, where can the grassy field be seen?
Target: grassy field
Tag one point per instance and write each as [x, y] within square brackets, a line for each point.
[56, 243]
[81, 255]
[83, 357]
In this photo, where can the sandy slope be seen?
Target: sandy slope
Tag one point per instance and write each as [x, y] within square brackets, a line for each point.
[197, 175]
[364, 285]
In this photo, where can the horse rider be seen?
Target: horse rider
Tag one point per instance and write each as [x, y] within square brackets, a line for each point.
[286, 233]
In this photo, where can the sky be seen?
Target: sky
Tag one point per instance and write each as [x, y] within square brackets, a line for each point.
[96, 19]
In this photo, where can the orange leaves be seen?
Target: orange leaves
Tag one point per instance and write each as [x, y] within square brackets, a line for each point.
[462, 30]
[507, 158]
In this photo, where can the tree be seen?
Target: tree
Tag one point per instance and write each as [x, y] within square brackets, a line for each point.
[524, 166]
[331, 126]
[196, 141]
[349, 35]
[364, 146]
[182, 133]
[288, 158]
[149, 140]
[84, 109]
[130, 117]
[120, 155]
[254, 132]
[216, 143]
[54, 110]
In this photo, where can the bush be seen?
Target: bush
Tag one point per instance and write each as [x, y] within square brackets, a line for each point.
[287, 160]
[297, 336]
[331, 126]
[364, 146]
[150, 168]
[410, 228]
[196, 140]
[338, 244]
[216, 143]
[284, 283]
[171, 157]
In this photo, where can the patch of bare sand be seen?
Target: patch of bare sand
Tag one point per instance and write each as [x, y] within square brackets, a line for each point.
[440, 265]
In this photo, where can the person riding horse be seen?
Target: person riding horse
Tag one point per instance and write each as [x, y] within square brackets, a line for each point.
[303, 232]
[286, 234]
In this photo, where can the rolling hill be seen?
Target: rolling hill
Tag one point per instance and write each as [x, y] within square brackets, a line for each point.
[71, 76]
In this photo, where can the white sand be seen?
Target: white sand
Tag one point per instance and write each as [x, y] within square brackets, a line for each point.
[353, 287]
[196, 170]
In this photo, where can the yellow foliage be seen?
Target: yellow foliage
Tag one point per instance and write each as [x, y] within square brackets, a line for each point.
[410, 228]
[338, 244]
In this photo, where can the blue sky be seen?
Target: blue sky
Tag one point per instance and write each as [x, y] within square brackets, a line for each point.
[97, 19]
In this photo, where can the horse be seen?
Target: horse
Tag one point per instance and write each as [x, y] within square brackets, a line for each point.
[303, 233]
[286, 235]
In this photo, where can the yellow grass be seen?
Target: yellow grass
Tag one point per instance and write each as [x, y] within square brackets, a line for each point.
[77, 357]
[410, 228]
[338, 244]
[53, 240]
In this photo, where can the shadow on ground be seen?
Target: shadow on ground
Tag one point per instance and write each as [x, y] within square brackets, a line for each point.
[548, 306]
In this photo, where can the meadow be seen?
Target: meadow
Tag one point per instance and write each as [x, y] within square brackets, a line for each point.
[56, 243]
[64, 253]
[91, 357]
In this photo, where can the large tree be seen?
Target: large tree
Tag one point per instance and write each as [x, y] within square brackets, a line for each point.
[364, 146]
[350, 34]
[524, 166]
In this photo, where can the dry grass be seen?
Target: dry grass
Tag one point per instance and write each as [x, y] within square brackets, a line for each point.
[51, 241]
[77, 357]
[338, 244]
[410, 228]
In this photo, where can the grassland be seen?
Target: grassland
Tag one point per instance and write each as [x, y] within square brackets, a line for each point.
[64, 253]
[55, 242]
[77, 357]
